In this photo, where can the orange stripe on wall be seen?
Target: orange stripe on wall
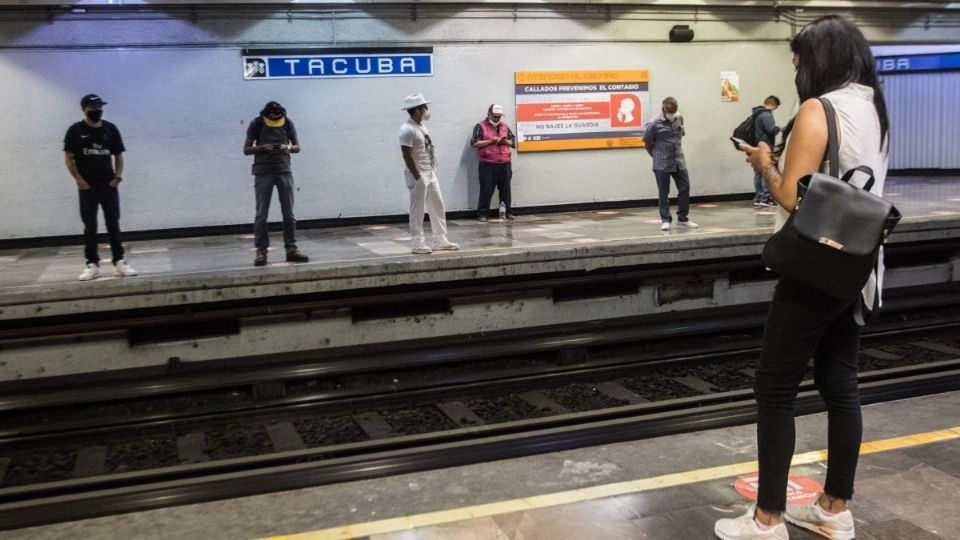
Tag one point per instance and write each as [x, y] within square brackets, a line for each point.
[580, 144]
[572, 77]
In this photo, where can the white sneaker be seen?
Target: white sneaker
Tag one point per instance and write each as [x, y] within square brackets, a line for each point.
[838, 526]
[91, 271]
[122, 269]
[746, 528]
[446, 245]
[665, 226]
[688, 224]
[421, 250]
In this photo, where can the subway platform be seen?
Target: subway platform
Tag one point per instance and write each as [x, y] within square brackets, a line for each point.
[667, 488]
[180, 277]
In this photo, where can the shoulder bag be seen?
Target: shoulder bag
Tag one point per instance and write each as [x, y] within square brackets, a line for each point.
[832, 240]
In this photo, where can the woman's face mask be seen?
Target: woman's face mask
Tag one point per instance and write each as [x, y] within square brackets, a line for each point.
[94, 115]
[426, 115]
[669, 116]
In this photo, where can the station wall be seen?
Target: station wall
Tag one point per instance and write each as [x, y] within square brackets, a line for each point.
[175, 89]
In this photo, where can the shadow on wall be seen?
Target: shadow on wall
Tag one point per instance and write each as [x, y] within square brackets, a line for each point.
[469, 164]
[408, 20]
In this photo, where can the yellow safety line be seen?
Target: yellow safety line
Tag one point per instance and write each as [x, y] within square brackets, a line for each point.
[597, 492]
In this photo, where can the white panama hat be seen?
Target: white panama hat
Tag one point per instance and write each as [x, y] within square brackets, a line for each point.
[414, 100]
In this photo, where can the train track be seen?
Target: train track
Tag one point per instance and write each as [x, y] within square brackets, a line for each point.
[73, 454]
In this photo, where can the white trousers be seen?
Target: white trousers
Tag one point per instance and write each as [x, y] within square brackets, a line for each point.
[425, 194]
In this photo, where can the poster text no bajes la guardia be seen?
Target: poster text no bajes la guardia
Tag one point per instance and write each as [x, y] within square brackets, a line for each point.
[573, 110]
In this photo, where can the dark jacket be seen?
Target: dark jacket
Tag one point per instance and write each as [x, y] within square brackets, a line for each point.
[764, 127]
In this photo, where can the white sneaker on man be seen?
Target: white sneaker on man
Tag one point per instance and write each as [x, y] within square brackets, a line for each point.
[688, 224]
[746, 527]
[665, 226]
[445, 245]
[421, 249]
[91, 271]
[122, 269]
[812, 517]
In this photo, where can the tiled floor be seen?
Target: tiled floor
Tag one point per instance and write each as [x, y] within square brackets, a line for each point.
[901, 495]
[917, 198]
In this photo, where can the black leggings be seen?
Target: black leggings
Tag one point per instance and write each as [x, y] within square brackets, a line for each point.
[804, 323]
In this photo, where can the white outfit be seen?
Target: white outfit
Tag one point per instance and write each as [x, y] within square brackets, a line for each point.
[425, 192]
[859, 134]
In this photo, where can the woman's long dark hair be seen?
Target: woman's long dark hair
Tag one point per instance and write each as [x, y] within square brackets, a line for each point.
[831, 53]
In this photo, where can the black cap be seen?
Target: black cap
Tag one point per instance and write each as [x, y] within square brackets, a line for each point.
[91, 99]
[273, 107]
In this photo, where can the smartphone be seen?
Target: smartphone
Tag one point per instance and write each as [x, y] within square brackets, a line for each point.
[737, 142]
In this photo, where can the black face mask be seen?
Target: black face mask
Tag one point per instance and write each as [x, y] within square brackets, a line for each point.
[94, 115]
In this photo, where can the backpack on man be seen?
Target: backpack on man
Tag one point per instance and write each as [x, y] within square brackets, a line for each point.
[746, 131]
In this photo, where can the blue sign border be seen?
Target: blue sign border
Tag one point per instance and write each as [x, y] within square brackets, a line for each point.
[912, 63]
[303, 65]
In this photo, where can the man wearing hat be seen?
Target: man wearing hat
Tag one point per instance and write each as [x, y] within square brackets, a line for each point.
[493, 140]
[271, 138]
[93, 153]
[420, 159]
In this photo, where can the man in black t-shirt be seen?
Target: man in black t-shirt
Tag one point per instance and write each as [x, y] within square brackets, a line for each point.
[271, 138]
[93, 153]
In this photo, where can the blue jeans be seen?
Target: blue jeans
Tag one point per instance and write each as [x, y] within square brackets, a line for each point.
[100, 196]
[804, 323]
[761, 193]
[263, 185]
[683, 194]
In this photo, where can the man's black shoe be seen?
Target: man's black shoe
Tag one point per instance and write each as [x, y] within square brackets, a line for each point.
[294, 256]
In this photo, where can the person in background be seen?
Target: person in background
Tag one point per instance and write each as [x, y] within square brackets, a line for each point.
[765, 130]
[493, 140]
[271, 138]
[662, 140]
[832, 60]
[93, 153]
[420, 159]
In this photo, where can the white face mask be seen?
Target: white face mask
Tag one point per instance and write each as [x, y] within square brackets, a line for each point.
[670, 116]
[495, 121]
[426, 116]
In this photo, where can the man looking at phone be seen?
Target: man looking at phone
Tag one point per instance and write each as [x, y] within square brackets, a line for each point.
[271, 138]
[662, 141]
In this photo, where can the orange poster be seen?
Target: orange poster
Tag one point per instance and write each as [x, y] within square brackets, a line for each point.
[572, 110]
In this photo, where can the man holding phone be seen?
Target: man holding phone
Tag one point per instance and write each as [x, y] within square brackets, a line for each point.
[271, 138]
[662, 141]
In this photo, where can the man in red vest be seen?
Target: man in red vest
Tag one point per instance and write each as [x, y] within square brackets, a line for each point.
[493, 140]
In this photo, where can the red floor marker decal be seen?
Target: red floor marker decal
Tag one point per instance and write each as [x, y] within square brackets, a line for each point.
[800, 489]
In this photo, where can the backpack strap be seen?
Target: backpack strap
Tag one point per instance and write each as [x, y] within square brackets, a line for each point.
[833, 148]
[258, 122]
[865, 170]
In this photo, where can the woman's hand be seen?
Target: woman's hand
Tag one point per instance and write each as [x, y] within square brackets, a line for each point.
[759, 157]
